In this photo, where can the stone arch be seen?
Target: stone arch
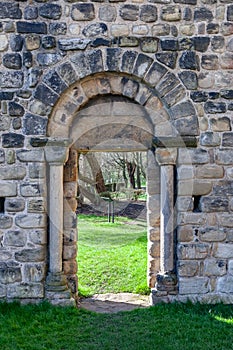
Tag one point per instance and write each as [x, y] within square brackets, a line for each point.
[137, 77]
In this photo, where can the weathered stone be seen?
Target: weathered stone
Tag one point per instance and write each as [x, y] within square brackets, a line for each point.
[193, 156]
[226, 60]
[188, 60]
[30, 12]
[199, 96]
[16, 42]
[30, 155]
[73, 44]
[69, 251]
[34, 272]
[36, 206]
[10, 275]
[12, 61]
[169, 44]
[12, 140]
[46, 95]
[213, 204]
[160, 29]
[188, 268]
[210, 62]
[10, 10]
[34, 125]
[11, 79]
[31, 27]
[38, 236]
[15, 172]
[51, 11]
[14, 204]
[149, 44]
[195, 285]
[189, 79]
[203, 14]
[148, 13]
[48, 59]
[31, 221]
[230, 13]
[129, 12]
[6, 221]
[4, 123]
[3, 42]
[209, 172]
[212, 28]
[212, 234]
[48, 42]
[15, 109]
[25, 291]
[220, 124]
[225, 284]
[95, 29]
[107, 13]
[210, 139]
[31, 190]
[171, 13]
[83, 12]
[218, 43]
[15, 238]
[201, 43]
[213, 267]
[224, 250]
[32, 42]
[59, 28]
[168, 58]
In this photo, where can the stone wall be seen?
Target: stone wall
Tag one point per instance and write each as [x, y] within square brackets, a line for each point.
[172, 57]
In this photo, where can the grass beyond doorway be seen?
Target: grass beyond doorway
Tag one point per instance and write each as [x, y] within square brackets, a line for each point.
[112, 257]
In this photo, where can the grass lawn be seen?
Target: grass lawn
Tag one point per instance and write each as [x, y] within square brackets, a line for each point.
[161, 327]
[112, 257]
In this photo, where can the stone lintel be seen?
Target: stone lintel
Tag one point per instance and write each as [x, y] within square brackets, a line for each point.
[166, 156]
[56, 150]
[177, 141]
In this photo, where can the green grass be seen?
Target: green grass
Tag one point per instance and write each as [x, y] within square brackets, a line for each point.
[112, 257]
[162, 327]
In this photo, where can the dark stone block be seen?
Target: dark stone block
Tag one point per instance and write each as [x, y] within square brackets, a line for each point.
[58, 28]
[223, 188]
[201, 43]
[227, 139]
[203, 14]
[48, 42]
[225, 93]
[155, 73]
[86, 12]
[187, 2]
[174, 31]
[142, 64]
[188, 60]
[183, 109]
[16, 123]
[47, 59]
[100, 42]
[149, 44]
[169, 44]
[187, 126]
[12, 61]
[217, 43]
[129, 12]
[46, 95]
[230, 107]
[187, 14]
[51, 11]
[10, 10]
[168, 83]
[6, 95]
[81, 66]
[73, 44]
[215, 107]
[31, 12]
[213, 95]
[34, 76]
[24, 93]
[209, 62]
[186, 44]
[53, 80]
[67, 73]
[31, 27]
[230, 13]
[95, 29]
[167, 58]
[199, 96]
[95, 61]
[11, 140]
[11, 79]
[189, 79]
[113, 59]
[15, 109]
[148, 13]
[16, 42]
[128, 60]
[34, 125]
[209, 139]
[212, 203]
[212, 28]
[27, 59]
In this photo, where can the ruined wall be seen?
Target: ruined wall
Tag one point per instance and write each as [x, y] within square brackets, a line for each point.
[179, 50]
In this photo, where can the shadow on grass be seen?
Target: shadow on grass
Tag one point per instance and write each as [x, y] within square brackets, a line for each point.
[162, 327]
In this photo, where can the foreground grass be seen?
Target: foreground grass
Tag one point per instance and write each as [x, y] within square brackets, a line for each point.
[162, 327]
[111, 257]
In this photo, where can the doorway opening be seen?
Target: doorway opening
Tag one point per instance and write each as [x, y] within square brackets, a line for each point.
[112, 225]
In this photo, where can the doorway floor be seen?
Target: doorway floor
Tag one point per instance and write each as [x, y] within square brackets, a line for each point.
[113, 303]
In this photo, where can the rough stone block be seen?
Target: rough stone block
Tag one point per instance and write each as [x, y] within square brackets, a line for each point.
[83, 12]
[38, 236]
[50, 11]
[209, 172]
[223, 250]
[155, 73]
[214, 267]
[8, 189]
[167, 58]
[25, 291]
[58, 28]
[14, 204]
[31, 27]
[10, 10]
[69, 251]
[210, 139]
[31, 221]
[46, 95]
[10, 275]
[193, 156]
[36, 206]
[15, 238]
[171, 13]
[107, 13]
[188, 268]
[193, 251]
[225, 284]
[129, 12]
